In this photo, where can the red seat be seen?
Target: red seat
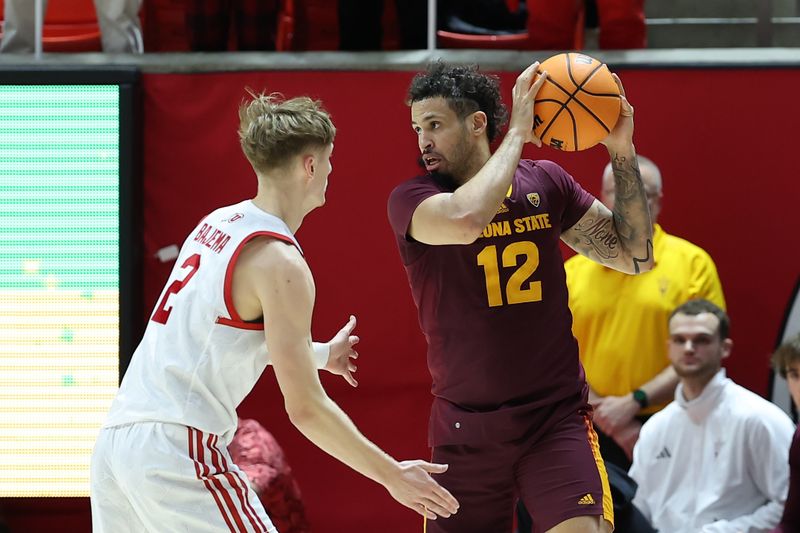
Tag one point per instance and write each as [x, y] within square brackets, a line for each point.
[449, 39]
[518, 41]
[69, 26]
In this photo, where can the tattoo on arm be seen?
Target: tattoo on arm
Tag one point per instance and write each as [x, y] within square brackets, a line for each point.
[637, 260]
[627, 233]
[628, 189]
[631, 212]
[627, 178]
[596, 235]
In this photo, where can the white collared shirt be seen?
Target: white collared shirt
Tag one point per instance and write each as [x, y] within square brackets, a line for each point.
[715, 464]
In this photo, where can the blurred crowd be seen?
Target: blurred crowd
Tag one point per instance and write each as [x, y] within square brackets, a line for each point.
[131, 26]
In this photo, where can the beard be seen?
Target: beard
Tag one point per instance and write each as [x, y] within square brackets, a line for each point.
[458, 162]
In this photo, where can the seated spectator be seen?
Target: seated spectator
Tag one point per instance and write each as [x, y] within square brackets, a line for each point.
[714, 460]
[259, 455]
[786, 362]
[120, 28]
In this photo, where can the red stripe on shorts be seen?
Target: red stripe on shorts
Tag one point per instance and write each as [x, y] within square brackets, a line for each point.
[222, 466]
[217, 483]
[203, 476]
[246, 500]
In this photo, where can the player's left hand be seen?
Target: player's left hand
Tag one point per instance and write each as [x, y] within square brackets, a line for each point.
[622, 134]
[614, 413]
[343, 354]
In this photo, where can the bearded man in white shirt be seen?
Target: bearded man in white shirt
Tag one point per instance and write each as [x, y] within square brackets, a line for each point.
[714, 460]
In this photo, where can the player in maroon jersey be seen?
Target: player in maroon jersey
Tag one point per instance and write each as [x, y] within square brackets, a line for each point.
[786, 361]
[479, 238]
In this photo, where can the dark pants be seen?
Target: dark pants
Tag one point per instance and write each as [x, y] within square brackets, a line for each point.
[360, 24]
[208, 22]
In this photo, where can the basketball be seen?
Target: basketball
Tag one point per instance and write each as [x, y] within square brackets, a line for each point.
[578, 104]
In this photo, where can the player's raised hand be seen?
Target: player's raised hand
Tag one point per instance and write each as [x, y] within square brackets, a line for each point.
[527, 85]
[343, 353]
[414, 487]
[622, 134]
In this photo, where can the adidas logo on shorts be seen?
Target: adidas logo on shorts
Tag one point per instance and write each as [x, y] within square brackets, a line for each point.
[586, 500]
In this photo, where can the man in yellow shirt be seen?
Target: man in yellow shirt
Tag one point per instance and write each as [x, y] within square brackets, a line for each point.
[620, 322]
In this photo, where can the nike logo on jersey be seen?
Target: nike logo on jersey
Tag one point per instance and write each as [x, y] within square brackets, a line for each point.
[586, 500]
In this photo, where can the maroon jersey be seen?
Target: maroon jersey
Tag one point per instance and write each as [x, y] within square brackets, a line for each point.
[791, 511]
[495, 312]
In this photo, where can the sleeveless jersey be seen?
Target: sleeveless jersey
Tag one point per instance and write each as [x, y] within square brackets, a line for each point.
[198, 359]
[494, 312]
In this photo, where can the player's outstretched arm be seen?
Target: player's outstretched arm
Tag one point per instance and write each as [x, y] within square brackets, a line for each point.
[622, 239]
[285, 289]
[461, 216]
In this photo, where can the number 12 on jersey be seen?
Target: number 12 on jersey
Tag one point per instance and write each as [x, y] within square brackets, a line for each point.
[515, 292]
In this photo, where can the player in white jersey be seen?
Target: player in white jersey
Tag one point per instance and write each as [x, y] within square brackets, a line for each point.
[161, 461]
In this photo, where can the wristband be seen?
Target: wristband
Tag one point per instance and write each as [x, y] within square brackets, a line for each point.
[322, 352]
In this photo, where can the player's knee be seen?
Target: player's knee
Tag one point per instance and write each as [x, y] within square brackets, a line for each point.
[596, 525]
[583, 524]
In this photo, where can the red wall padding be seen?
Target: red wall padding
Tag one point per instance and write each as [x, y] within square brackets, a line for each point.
[724, 139]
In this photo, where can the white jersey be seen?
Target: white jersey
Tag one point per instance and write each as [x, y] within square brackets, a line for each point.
[715, 464]
[198, 359]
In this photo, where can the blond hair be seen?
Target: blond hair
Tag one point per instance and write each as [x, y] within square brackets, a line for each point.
[273, 130]
[786, 354]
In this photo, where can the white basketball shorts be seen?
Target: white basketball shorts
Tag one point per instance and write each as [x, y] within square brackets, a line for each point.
[151, 476]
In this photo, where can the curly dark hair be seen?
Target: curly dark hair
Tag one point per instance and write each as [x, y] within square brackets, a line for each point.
[466, 91]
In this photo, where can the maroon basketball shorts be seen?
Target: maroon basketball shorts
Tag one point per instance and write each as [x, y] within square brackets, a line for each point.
[556, 470]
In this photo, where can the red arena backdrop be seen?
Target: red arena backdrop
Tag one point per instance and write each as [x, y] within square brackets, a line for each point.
[724, 139]
[730, 185]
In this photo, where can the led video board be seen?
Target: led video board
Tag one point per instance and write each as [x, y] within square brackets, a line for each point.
[60, 279]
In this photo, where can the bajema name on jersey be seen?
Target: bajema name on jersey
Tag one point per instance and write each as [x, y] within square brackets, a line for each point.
[211, 237]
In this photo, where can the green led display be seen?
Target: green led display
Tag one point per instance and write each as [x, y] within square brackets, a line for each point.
[59, 282]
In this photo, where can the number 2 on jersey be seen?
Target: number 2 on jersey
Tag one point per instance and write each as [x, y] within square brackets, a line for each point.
[162, 313]
[515, 293]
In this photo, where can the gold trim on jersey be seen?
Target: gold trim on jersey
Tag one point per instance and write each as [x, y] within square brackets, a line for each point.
[608, 506]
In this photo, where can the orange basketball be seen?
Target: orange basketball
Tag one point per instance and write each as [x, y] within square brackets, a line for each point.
[578, 105]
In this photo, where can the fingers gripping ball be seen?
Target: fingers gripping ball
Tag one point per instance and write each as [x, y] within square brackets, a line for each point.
[578, 105]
